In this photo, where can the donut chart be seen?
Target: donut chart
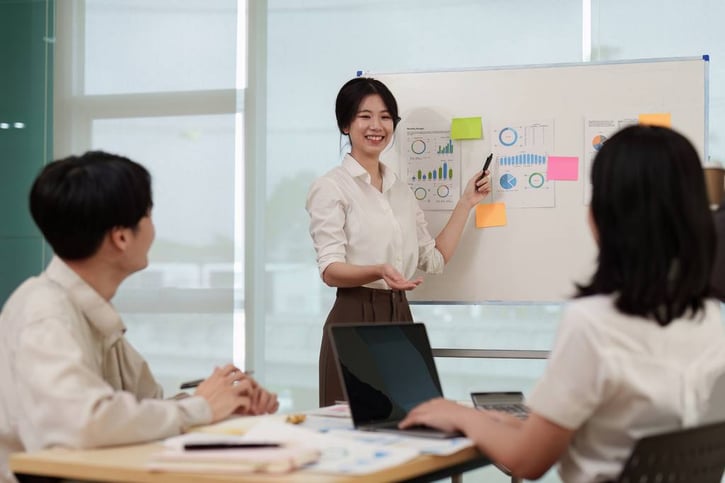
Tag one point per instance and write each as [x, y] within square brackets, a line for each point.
[418, 146]
[508, 136]
[536, 180]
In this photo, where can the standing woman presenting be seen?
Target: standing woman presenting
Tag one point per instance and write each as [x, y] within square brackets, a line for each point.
[369, 233]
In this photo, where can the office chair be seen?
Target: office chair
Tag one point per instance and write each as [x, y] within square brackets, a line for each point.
[683, 456]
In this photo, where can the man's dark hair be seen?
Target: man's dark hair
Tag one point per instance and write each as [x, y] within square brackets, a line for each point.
[75, 201]
[655, 228]
[352, 94]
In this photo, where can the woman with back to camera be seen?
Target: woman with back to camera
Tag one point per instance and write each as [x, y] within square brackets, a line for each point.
[369, 233]
[638, 350]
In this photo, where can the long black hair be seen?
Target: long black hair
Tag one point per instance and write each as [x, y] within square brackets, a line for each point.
[655, 229]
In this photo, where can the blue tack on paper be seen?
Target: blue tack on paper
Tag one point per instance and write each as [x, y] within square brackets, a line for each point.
[359, 73]
[706, 57]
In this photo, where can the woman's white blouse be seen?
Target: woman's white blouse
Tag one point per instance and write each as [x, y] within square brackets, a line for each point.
[352, 222]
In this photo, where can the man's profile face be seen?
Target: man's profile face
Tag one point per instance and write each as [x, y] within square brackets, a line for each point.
[141, 239]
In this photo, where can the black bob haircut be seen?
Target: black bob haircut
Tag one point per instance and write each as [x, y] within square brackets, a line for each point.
[353, 92]
[75, 201]
[655, 228]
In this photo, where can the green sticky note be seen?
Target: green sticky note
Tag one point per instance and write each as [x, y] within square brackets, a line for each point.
[466, 128]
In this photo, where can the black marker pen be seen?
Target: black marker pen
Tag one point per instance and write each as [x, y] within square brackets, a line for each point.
[230, 445]
[485, 166]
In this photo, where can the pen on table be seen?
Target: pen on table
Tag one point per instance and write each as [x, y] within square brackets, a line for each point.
[240, 445]
[196, 382]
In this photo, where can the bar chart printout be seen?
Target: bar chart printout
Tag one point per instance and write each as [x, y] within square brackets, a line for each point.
[519, 169]
[433, 167]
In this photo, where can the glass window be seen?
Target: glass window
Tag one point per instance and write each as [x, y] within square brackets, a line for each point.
[191, 265]
[186, 155]
[173, 70]
[159, 45]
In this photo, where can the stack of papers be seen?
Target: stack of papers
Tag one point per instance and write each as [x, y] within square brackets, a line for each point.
[338, 455]
[238, 425]
[263, 459]
[326, 442]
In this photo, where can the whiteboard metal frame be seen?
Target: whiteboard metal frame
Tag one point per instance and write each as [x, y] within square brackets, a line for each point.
[491, 353]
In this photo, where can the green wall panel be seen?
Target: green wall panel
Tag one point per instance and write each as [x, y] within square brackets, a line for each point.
[19, 259]
[26, 66]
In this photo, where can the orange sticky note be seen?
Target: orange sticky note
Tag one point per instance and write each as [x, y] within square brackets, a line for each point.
[663, 119]
[492, 214]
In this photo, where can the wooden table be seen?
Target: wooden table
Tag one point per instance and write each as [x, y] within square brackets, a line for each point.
[127, 463]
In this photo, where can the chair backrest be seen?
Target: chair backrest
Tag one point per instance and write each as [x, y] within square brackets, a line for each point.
[688, 455]
[716, 402]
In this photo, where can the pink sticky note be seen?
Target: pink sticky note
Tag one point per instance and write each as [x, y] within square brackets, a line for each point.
[562, 168]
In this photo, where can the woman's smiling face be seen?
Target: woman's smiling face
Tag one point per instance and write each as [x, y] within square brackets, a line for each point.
[371, 129]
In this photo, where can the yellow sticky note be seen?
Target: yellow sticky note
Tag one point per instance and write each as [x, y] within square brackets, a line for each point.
[663, 119]
[466, 128]
[492, 214]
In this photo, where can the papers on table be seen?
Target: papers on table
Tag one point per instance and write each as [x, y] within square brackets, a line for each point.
[338, 455]
[323, 424]
[325, 442]
[329, 420]
[174, 456]
[238, 425]
[344, 428]
[340, 410]
[434, 446]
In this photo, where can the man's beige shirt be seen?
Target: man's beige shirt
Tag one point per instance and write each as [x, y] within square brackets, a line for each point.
[70, 378]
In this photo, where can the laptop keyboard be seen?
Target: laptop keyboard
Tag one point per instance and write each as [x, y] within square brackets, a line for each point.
[394, 425]
[518, 410]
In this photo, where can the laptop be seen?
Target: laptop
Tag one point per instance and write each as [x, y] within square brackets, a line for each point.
[386, 370]
[511, 402]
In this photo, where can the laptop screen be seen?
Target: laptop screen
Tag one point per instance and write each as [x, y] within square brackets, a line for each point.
[387, 369]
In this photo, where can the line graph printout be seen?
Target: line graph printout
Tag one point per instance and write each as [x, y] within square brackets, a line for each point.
[433, 166]
[519, 170]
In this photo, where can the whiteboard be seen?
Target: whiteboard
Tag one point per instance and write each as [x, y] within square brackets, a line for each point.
[546, 246]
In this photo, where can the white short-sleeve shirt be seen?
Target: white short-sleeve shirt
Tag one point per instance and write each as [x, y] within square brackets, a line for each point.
[352, 222]
[614, 378]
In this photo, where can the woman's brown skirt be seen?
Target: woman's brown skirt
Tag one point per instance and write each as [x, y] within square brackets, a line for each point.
[356, 305]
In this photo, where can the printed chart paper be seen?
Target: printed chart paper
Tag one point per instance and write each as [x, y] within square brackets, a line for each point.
[433, 163]
[518, 172]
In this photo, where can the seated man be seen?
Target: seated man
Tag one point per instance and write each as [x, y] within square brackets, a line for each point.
[69, 376]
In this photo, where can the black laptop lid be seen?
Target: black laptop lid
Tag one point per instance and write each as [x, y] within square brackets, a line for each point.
[387, 369]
